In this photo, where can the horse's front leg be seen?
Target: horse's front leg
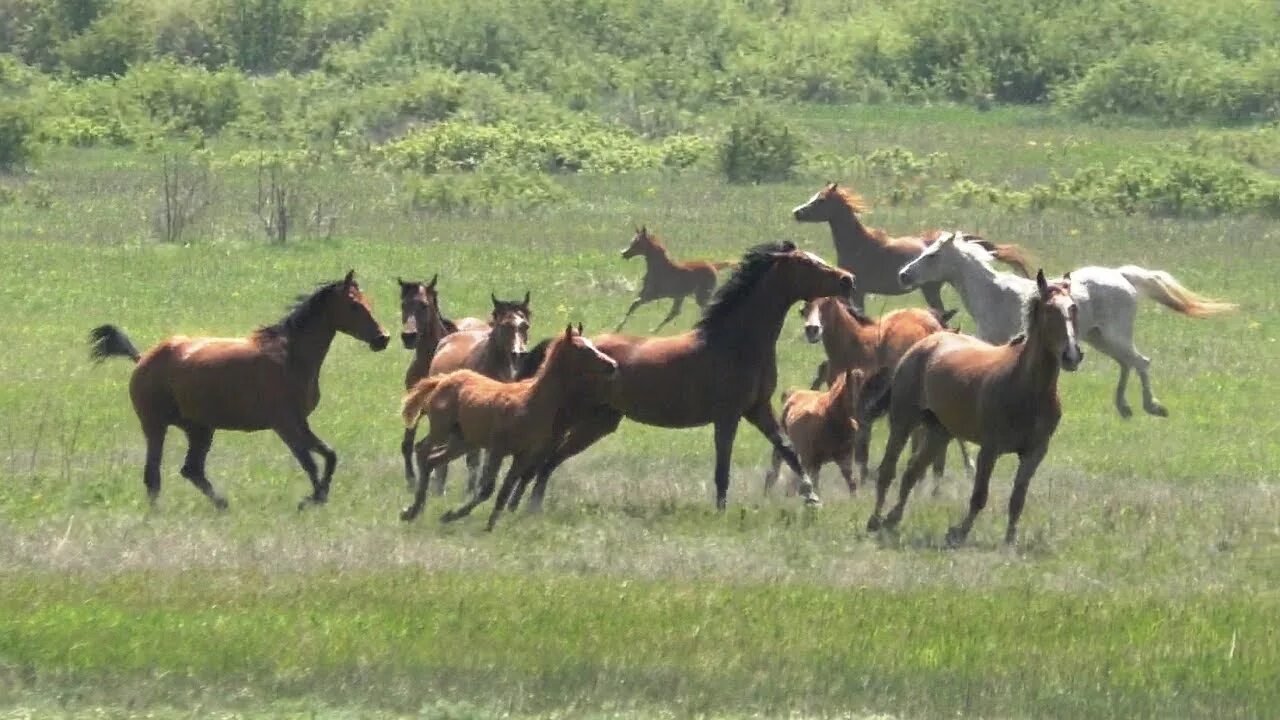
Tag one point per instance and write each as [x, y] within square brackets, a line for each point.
[981, 482]
[1028, 462]
[300, 441]
[726, 431]
[932, 293]
[488, 479]
[762, 417]
[520, 466]
[599, 422]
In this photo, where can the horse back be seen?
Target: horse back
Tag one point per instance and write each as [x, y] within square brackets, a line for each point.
[902, 329]
[960, 379]
[455, 351]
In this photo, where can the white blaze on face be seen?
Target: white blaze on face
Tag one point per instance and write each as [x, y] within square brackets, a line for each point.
[816, 196]
[815, 258]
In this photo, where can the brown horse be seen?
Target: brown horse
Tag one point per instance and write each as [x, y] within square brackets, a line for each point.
[471, 412]
[267, 381]
[665, 277]
[422, 328]
[722, 371]
[821, 426]
[492, 352]
[1003, 397]
[853, 340]
[876, 257]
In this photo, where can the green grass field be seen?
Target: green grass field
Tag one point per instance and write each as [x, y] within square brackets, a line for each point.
[1145, 583]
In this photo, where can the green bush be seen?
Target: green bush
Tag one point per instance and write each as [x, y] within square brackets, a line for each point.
[115, 40]
[185, 97]
[494, 188]
[759, 149]
[17, 135]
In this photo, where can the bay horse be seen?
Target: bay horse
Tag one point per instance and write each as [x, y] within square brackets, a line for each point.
[875, 257]
[469, 412]
[1106, 298]
[492, 352]
[665, 277]
[1002, 397]
[721, 372]
[854, 341]
[422, 327]
[269, 380]
[821, 427]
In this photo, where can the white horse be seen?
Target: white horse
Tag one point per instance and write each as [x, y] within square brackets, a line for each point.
[1106, 302]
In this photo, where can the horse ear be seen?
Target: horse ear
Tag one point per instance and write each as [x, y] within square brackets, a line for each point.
[432, 285]
[494, 298]
[579, 328]
[351, 276]
[568, 331]
[1040, 283]
[525, 304]
[787, 246]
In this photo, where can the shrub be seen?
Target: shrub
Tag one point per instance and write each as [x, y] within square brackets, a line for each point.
[17, 135]
[113, 42]
[759, 149]
[494, 188]
[185, 97]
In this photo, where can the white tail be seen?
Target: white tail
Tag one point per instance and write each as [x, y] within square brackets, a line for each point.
[1164, 289]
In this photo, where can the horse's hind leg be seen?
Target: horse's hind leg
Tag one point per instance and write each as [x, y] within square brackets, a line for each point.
[771, 477]
[933, 446]
[473, 471]
[675, 310]
[519, 467]
[762, 417]
[199, 440]
[488, 479]
[406, 450]
[634, 304]
[155, 453]
[603, 421]
[845, 463]
[862, 450]
[429, 456]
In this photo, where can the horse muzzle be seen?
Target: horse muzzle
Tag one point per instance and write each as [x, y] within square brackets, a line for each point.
[812, 333]
[1071, 360]
[380, 343]
[906, 280]
[410, 340]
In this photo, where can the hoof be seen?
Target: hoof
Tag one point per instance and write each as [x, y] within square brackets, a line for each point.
[812, 500]
[956, 536]
[1011, 537]
[408, 514]
[873, 523]
[449, 516]
[1156, 409]
[1125, 411]
[220, 503]
[891, 521]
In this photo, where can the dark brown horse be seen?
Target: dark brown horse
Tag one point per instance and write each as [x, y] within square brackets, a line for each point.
[874, 256]
[721, 372]
[471, 412]
[1003, 397]
[492, 352]
[422, 328]
[267, 381]
[854, 341]
[665, 277]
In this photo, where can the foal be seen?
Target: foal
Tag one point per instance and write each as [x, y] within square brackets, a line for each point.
[821, 426]
[668, 278]
[1003, 397]
[853, 340]
[492, 352]
[469, 411]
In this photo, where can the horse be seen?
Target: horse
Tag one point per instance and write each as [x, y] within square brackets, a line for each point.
[492, 352]
[269, 380]
[665, 277]
[721, 372]
[469, 411]
[853, 340]
[821, 427]
[422, 328]
[873, 255]
[1107, 299]
[1003, 397]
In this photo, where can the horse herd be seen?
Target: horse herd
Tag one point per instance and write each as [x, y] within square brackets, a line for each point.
[488, 395]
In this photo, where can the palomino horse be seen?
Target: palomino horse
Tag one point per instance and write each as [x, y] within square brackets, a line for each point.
[722, 371]
[267, 381]
[1003, 397]
[854, 341]
[1107, 299]
[665, 277]
[492, 352]
[821, 426]
[469, 411]
[875, 257]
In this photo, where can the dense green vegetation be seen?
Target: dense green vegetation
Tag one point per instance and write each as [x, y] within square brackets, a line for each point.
[188, 167]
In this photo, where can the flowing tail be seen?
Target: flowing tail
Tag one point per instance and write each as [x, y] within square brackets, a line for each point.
[415, 401]
[1015, 256]
[109, 341]
[1161, 287]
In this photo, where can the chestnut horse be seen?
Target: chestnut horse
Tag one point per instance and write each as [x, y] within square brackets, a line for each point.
[1003, 397]
[721, 372]
[853, 340]
[469, 412]
[665, 277]
[267, 381]
[821, 426]
[875, 257]
[492, 352]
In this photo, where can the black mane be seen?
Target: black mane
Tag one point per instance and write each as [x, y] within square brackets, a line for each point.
[528, 365]
[303, 310]
[755, 263]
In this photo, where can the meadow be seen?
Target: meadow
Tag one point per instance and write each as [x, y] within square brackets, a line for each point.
[1144, 584]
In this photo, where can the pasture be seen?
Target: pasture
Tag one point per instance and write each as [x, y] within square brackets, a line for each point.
[1145, 582]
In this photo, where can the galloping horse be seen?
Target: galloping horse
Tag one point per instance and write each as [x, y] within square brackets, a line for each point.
[821, 426]
[492, 352]
[1003, 397]
[1107, 299]
[722, 371]
[267, 381]
[422, 328]
[665, 277]
[469, 411]
[854, 341]
[875, 257]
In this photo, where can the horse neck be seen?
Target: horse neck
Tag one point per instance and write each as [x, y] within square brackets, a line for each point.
[865, 337]
[837, 411]
[657, 256]
[1038, 365]
[497, 357]
[758, 318]
[549, 389]
[308, 345]
[429, 338]
[851, 237]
